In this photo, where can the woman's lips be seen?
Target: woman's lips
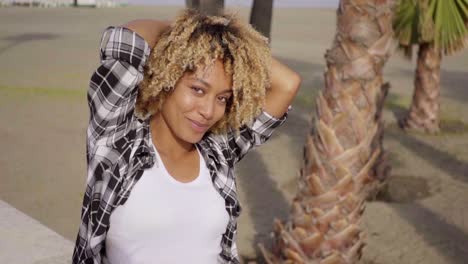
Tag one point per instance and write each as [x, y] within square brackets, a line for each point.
[199, 127]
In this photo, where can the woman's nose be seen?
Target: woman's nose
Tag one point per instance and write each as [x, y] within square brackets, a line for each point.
[207, 108]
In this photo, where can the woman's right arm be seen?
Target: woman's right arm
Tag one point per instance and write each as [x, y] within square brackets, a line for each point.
[149, 29]
[112, 93]
[111, 99]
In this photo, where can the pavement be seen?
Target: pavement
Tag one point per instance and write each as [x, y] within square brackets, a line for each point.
[25, 240]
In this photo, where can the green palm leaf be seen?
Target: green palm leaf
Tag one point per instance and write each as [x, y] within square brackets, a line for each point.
[441, 22]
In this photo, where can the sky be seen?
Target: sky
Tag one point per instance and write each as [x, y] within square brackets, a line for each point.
[277, 3]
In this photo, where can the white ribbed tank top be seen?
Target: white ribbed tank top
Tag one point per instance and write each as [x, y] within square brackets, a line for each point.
[166, 221]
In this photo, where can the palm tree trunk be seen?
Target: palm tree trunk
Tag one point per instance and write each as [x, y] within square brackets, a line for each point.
[192, 3]
[424, 111]
[210, 7]
[341, 149]
[260, 16]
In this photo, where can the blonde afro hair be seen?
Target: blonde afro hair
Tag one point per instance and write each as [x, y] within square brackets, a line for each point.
[197, 40]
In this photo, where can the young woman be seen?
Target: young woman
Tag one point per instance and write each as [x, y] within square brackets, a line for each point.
[166, 129]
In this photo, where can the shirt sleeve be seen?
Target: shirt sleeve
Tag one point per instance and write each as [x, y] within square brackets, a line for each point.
[255, 134]
[113, 87]
[111, 99]
[103, 184]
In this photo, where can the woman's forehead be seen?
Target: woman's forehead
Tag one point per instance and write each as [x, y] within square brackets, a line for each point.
[212, 76]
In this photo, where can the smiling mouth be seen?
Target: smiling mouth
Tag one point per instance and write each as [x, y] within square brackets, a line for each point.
[199, 127]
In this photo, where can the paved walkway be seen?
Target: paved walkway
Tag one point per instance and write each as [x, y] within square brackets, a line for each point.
[25, 240]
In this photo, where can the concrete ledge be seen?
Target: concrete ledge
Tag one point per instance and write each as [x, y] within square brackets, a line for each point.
[25, 240]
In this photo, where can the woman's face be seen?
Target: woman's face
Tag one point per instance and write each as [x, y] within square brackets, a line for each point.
[198, 101]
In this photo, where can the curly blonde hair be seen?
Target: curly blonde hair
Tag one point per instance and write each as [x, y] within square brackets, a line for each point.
[197, 40]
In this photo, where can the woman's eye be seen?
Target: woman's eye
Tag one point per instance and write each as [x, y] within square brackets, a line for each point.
[223, 99]
[197, 90]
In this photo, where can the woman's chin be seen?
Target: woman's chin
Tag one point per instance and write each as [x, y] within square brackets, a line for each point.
[194, 138]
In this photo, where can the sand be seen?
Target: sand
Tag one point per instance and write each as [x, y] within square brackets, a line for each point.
[48, 55]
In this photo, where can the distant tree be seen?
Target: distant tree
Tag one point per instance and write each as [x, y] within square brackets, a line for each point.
[260, 16]
[437, 27]
[210, 7]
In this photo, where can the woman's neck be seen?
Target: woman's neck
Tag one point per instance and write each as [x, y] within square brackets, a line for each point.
[166, 142]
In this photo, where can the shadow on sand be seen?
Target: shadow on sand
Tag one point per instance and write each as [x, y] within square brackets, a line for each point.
[449, 240]
[262, 193]
[451, 165]
[265, 200]
[26, 37]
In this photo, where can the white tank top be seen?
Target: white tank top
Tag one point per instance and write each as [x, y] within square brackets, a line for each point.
[166, 221]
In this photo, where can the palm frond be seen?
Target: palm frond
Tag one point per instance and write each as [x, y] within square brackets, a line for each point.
[450, 28]
[441, 22]
[405, 21]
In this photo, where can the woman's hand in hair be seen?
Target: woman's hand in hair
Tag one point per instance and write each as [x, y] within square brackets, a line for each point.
[149, 29]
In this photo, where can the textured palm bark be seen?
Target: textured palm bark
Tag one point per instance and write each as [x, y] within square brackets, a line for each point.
[382, 168]
[343, 144]
[424, 111]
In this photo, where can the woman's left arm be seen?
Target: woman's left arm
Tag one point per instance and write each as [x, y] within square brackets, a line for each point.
[284, 86]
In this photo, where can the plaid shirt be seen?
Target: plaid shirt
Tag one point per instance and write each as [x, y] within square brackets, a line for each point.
[118, 147]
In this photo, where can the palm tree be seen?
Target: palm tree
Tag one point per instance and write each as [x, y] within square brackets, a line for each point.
[324, 225]
[438, 27]
[260, 16]
[210, 7]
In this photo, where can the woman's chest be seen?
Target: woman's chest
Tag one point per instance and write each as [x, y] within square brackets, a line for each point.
[160, 205]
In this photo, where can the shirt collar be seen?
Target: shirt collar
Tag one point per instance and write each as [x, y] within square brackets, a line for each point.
[146, 153]
[144, 150]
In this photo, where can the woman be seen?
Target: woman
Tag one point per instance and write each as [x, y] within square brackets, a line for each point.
[165, 132]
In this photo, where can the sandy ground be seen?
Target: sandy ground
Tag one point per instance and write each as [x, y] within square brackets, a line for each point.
[48, 55]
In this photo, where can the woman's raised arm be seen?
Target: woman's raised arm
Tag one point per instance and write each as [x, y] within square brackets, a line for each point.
[284, 86]
[149, 29]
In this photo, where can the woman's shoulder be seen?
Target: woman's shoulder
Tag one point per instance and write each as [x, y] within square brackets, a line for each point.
[216, 147]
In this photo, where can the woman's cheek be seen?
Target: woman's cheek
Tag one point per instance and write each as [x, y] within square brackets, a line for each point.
[220, 112]
[188, 101]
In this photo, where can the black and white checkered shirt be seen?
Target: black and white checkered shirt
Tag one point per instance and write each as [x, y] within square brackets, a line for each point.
[118, 147]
